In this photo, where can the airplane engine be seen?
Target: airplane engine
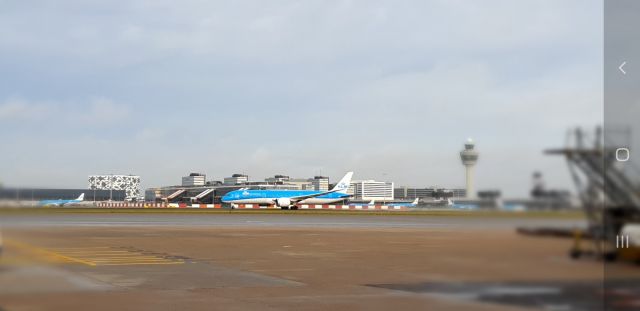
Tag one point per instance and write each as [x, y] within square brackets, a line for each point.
[283, 202]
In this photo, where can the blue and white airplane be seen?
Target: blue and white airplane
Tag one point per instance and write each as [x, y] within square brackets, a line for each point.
[286, 199]
[468, 206]
[403, 204]
[61, 202]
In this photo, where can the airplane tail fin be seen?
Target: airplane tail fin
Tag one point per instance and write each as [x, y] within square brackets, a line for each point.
[343, 184]
[81, 197]
[449, 202]
[373, 202]
[415, 202]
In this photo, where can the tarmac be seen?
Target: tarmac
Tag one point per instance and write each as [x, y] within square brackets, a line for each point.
[300, 219]
[297, 262]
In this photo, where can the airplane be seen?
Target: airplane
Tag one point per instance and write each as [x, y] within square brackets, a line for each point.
[403, 204]
[286, 199]
[470, 206]
[61, 202]
[371, 203]
[513, 207]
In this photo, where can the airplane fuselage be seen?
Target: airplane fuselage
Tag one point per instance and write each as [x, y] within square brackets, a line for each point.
[57, 202]
[268, 197]
[61, 202]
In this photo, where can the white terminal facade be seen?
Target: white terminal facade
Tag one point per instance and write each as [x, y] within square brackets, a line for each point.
[236, 179]
[317, 183]
[129, 183]
[410, 193]
[371, 190]
[194, 180]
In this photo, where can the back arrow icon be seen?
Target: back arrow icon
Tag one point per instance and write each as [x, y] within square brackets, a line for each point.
[622, 70]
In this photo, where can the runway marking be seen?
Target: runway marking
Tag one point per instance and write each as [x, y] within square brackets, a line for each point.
[46, 253]
[96, 256]
[144, 263]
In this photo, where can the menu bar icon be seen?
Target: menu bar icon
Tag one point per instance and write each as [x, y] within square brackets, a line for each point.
[622, 241]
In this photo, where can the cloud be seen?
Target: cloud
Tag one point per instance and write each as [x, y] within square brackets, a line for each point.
[16, 109]
[297, 87]
[102, 111]
[95, 111]
[150, 134]
[289, 32]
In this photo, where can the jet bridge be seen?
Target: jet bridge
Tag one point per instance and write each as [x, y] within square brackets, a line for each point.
[200, 197]
[177, 194]
[609, 198]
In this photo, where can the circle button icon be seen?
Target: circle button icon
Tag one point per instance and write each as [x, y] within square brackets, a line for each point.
[622, 154]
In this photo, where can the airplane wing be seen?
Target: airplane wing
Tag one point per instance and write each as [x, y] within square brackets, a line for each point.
[308, 196]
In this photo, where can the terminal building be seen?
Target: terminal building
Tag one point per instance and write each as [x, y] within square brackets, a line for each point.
[408, 193]
[194, 179]
[236, 179]
[129, 183]
[195, 189]
[371, 190]
[317, 183]
[194, 194]
[320, 183]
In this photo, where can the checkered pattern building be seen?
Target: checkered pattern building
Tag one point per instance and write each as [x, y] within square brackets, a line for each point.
[129, 183]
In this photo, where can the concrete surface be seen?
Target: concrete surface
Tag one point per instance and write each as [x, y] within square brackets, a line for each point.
[293, 262]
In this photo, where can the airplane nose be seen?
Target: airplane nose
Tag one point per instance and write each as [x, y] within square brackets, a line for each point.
[227, 197]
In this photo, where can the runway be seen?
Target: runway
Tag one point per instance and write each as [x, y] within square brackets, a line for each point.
[280, 220]
[289, 262]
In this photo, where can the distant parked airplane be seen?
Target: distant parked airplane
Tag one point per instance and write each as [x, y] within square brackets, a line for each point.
[286, 199]
[404, 204]
[61, 202]
[452, 204]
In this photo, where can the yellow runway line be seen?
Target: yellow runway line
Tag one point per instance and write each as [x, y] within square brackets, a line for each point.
[105, 263]
[121, 258]
[130, 258]
[12, 243]
[95, 256]
[94, 253]
[82, 248]
[144, 263]
[127, 259]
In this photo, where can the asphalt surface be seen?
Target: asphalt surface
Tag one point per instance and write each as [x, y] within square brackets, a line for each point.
[300, 261]
[279, 220]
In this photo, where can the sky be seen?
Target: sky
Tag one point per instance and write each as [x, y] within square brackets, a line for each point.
[388, 89]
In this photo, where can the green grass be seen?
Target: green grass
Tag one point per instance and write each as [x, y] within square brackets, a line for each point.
[431, 213]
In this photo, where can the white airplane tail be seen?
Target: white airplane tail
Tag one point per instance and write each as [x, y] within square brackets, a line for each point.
[81, 197]
[373, 202]
[449, 202]
[343, 184]
[415, 202]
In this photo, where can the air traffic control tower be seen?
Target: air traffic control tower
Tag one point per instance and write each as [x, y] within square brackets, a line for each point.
[469, 157]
